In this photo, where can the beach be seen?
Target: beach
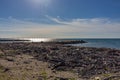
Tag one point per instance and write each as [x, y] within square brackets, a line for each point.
[52, 61]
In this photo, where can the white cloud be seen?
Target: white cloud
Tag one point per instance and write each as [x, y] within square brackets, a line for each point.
[96, 27]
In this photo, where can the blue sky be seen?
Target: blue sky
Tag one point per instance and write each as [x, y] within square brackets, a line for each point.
[60, 18]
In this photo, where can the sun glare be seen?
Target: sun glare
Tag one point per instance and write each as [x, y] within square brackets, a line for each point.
[40, 2]
[38, 40]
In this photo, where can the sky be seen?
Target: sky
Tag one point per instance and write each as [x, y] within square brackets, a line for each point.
[59, 18]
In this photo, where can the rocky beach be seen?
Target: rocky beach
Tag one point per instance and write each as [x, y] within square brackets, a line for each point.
[55, 61]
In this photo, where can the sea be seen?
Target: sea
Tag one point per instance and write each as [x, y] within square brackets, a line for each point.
[91, 42]
[101, 43]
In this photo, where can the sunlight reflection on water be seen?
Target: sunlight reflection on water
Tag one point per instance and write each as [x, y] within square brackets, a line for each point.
[39, 39]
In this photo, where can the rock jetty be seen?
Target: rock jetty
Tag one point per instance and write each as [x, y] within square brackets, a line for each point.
[70, 42]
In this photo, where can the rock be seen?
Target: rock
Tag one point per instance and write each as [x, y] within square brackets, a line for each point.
[40, 78]
[59, 78]
[1, 53]
[113, 78]
[10, 59]
[97, 78]
[85, 61]
[54, 48]
[6, 69]
[26, 62]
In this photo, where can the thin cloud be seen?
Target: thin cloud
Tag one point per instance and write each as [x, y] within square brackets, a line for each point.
[95, 27]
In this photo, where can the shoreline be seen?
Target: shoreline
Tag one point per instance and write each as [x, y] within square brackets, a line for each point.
[98, 43]
[80, 63]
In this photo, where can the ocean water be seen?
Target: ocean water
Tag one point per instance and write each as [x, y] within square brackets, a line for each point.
[99, 43]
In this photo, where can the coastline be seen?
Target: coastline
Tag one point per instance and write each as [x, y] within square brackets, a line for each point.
[52, 61]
